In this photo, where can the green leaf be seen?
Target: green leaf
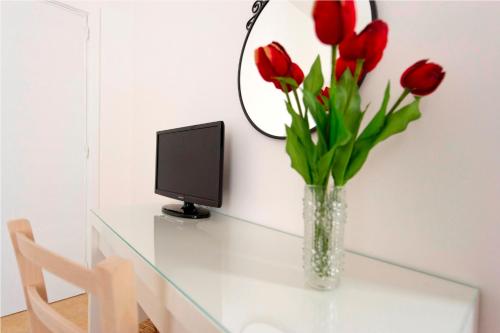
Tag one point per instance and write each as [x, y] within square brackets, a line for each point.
[377, 123]
[296, 152]
[299, 125]
[314, 80]
[301, 128]
[338, 98]
[359, 155]
[346, 80]
[324, 166]
[319, 115]
[399, 120]
[366, 141]
[317, 111]
[393, 124]
[343, 153]
[287, 80]
[321, 147]
[348, 100]
[339, 132]
[324, 100]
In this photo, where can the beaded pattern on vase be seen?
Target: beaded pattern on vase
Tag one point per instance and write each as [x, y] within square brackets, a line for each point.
[324, 219]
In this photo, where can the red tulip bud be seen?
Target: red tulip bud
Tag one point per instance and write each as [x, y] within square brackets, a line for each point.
[422, 78]
[273, 61]
[334, 20]
[325, 93]
[368, 45]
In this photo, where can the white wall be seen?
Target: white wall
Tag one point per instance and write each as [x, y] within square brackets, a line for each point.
[116, 104]
[426, 199]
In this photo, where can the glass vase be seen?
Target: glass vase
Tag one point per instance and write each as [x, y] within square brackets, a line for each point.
[324, 220]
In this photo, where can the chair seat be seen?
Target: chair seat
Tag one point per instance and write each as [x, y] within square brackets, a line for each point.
[147, 326]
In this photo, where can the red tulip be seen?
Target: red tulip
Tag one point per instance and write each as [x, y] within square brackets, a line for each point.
[368, 45]
[422, 78]
[334, 20]
[273, 61]
[323, 93]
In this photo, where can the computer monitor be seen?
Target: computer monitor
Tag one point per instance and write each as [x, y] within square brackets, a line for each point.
[189, 167]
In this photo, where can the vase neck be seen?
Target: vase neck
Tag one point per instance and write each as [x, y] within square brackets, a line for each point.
[335, 193]
[339, 193]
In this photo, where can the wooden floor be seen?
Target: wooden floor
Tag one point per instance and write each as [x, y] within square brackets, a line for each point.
[74, 308]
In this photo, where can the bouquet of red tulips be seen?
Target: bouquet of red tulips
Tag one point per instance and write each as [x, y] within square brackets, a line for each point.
[341, 147]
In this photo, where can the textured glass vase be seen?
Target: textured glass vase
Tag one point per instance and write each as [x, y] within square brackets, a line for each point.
[324, 220]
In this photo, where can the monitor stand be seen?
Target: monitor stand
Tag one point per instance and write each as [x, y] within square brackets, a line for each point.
[188, 211]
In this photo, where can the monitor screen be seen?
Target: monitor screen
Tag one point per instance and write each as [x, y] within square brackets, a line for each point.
[189, 163]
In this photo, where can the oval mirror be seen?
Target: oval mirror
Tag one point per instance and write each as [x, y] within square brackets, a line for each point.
[290, 23]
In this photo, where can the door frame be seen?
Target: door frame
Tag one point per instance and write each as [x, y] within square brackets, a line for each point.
[91, 11]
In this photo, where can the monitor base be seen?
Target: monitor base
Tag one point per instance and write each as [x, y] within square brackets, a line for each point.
[188, 211]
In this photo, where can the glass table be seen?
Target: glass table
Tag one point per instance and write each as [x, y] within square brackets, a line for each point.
[244, 277]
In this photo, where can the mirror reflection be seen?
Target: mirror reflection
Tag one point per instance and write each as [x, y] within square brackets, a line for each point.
[290, 23]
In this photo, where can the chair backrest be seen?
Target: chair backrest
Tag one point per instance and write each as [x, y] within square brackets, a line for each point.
[111, 282]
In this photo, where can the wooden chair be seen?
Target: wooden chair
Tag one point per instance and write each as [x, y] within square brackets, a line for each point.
[111, 282]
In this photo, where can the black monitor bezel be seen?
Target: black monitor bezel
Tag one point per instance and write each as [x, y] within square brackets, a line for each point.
[186, 197]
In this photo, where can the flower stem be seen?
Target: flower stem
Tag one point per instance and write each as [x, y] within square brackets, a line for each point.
[400, 99]
[286, 93]
[298, 102]
[322, 232]
[333, 79]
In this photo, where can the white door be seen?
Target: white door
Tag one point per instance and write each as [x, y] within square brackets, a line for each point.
[43, 131]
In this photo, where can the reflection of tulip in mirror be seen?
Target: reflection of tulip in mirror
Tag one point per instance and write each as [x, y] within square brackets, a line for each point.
[290, 23]
[273, 61]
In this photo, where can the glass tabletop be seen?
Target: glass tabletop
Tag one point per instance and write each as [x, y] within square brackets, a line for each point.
[248, 278]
